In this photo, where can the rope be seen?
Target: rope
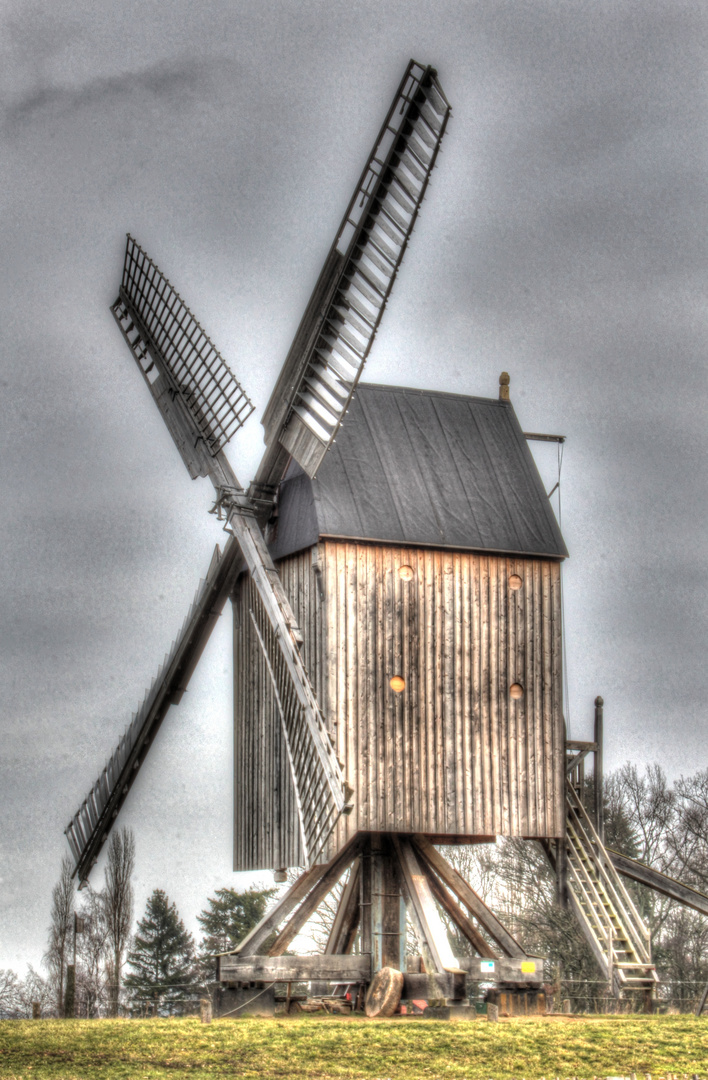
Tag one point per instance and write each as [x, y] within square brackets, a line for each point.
[245, 1003]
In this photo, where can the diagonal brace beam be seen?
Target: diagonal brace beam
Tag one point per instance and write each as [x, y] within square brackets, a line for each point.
[457, 885]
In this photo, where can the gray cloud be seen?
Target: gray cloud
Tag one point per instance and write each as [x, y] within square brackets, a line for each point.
[169, 82]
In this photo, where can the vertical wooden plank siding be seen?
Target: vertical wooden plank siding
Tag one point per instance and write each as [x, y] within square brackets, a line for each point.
[266, 828]
[453, 753]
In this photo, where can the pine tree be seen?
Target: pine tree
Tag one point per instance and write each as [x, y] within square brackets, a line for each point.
[226, 921]
[163, 974]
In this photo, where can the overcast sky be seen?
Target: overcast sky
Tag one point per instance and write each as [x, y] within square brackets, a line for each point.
[563, 239]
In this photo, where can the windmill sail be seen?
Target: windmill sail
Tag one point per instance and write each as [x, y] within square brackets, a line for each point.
[89, 828]
[341, 320]
[203, 405]
[198, 395]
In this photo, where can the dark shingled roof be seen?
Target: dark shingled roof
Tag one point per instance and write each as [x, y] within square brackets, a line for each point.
[423, 468]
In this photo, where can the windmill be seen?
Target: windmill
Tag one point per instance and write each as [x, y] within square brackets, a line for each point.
[394, 570]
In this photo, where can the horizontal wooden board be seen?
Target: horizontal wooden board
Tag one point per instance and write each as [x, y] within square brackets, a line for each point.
[294, 968]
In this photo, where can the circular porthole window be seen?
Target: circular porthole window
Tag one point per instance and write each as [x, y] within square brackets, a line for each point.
[397, 683]
[405, 573]
[516, 691]
[515, 582]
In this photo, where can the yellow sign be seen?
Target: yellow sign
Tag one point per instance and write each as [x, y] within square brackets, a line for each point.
[528, 967]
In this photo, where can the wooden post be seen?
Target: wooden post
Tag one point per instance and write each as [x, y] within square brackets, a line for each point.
[387, 923]
[70, 992]
[205, 1010]
[365, 929]
[599, 805]
[562, 897]
[36, 1010]
[437, 953]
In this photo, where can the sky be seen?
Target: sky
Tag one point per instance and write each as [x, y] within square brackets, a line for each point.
[562, 239]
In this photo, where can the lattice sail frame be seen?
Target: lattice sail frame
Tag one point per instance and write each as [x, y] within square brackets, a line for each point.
[176, 343]
[371, 242]
[89, 828]
[319, 793]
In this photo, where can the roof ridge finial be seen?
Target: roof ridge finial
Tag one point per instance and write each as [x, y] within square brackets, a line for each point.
[504, 380]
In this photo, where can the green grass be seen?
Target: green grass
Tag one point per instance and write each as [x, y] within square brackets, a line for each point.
[320, 1048]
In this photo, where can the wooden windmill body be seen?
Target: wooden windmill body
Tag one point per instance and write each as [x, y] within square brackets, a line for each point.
[394, 569]
[425, 550]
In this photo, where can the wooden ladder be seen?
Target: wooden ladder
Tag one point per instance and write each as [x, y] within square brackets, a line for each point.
[615, 931]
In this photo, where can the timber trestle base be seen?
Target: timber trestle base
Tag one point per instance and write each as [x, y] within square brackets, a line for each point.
[391, 876]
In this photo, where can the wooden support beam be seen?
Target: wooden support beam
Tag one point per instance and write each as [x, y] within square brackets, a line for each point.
[272, 919]
[388, 917]
[365, 898]
[295, 968]
[465, 925]
[341, 936]
[598, 773]
[557, 853]
[466, 895]
[423, 904]
[333, 871]
[661, 883]
[432, 985]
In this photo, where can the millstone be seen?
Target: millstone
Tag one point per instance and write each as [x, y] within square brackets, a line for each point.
[384, 993]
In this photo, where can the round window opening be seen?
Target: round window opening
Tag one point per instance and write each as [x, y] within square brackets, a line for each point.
[405, 573]
[397, 684]
[516, 691]
[515, 582]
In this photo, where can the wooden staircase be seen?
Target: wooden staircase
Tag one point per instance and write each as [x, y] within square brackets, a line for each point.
[615, 931]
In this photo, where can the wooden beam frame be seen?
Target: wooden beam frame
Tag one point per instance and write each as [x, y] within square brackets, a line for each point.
[289, 901]
[661, 883]
[326, 882]
[423, 904]
[465, 925]
[346, 921]
[296, 968]
[466, 895]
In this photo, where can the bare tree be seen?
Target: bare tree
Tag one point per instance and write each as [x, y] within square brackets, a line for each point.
[10, 1005]
[34, 988]
[60, 930]
[94, 973]
[118, 906]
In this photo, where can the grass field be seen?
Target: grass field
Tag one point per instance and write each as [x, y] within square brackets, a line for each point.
[317, 1048]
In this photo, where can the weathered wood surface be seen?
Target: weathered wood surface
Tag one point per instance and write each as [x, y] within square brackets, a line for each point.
[295, 968]
[266, 827]
[423, 906]
[654, 879]
[346, 920]
[463, 923]
[320, 889]
[457, 884]
[280, 910]
[452, 754]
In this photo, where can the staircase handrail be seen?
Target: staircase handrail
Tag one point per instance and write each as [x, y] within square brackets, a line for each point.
[595, 846]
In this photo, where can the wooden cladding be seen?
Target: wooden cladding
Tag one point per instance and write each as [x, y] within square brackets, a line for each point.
[453, 753]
